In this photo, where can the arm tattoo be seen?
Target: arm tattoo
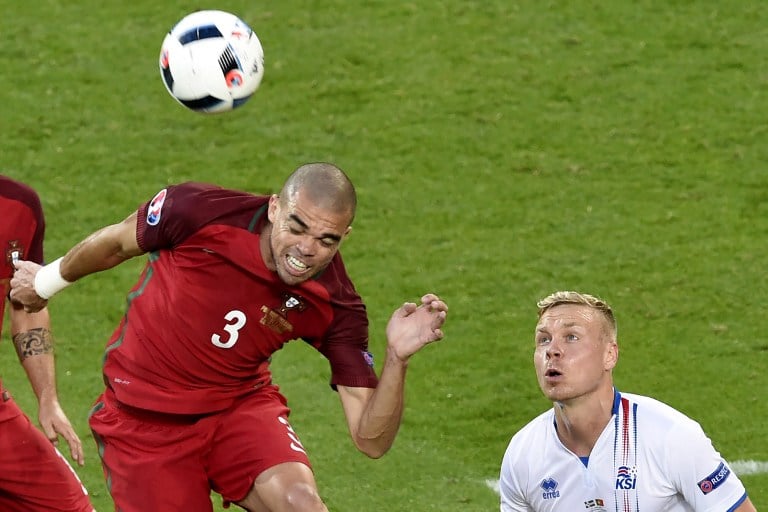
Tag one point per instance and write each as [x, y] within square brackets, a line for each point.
[33, 343]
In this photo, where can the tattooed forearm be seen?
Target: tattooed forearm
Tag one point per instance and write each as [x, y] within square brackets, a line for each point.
[33, 342]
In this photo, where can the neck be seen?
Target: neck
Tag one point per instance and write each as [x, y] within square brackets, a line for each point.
[264, 246]
[580, 421]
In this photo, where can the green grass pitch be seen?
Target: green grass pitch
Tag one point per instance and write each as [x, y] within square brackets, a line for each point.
[501, 150]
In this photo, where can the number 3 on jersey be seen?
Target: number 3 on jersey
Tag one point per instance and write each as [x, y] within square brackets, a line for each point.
[237, 322]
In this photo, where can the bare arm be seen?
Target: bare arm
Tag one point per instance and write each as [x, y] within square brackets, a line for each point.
[104, 249]
[374, 415]
[747, 506]
[34, 345]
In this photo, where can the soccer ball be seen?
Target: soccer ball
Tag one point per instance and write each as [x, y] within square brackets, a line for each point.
[211, 61]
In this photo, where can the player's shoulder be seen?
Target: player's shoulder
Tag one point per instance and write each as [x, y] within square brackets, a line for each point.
[14, 189]
[532, 433]
[203, 196]
[335, 279]
[659, 415]
[209, 189]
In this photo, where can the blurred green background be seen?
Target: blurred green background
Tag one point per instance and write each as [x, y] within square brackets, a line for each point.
[501, 150]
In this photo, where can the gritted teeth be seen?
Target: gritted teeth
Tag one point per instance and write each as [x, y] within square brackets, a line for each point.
[295, 263]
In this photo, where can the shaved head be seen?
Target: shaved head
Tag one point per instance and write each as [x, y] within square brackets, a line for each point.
[325, 185]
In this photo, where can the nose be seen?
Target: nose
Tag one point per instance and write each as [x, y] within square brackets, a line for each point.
[554, 349]
[306, 245]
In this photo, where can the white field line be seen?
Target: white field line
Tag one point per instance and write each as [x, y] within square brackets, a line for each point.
[493, 484]
[749, 467]
[740, 467]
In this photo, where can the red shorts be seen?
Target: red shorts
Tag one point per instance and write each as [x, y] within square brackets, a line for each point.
[155, 461]
[34, 476]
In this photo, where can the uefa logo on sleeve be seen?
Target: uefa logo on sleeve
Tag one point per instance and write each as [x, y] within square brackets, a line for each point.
[714, 479]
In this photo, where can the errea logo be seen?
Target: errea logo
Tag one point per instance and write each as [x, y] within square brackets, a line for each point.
[549, 486]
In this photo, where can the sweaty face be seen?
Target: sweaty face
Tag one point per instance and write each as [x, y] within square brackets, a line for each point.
[573, 357]
[304, 237]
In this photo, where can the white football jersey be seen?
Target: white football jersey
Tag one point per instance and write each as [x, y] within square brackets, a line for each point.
[649, 458]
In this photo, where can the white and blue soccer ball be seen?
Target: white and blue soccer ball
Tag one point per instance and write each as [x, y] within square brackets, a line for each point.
[211, 61]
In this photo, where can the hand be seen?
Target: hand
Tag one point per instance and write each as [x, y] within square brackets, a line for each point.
[411, 327]
[55, 423]
[23, 286]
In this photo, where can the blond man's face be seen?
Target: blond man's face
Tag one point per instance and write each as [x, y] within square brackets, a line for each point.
[574, 352]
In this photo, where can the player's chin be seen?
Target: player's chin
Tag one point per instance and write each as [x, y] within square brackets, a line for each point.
[553, 392]
[292, 279]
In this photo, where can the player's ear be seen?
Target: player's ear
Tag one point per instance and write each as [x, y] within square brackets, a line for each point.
[611, 354]
[273, 208]
[348, 231]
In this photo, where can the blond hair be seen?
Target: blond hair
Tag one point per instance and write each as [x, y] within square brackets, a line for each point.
[579, 299]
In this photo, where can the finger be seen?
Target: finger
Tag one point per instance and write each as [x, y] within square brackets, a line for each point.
[77, 453]
[438, 305]
[49, 429]
[440, 318]
[432, 301]
[75, 445]
[436, 314]
[428, 298]
[437, 335]
[19, 264]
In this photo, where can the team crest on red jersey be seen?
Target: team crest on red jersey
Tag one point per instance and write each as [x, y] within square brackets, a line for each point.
[277, 319]
[14, 251]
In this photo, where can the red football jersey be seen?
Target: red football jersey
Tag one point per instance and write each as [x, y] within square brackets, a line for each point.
[207, 314]
[22, 227]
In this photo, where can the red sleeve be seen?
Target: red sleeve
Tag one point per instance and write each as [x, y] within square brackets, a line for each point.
[171, 216]
[345, 343]
[179, 211]
[35, 252]
[347, 350]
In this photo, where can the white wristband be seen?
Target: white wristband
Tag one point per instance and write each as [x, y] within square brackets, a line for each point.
[48, 280]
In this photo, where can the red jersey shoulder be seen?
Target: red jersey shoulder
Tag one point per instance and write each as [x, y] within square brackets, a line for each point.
[22, 225]
[21, 192]
[178, 211]
[337, 282]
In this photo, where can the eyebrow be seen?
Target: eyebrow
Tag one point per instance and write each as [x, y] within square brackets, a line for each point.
[569, 325]
[304, 225]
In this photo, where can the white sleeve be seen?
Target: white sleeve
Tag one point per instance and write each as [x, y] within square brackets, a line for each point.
[512, 499]
[699, 473]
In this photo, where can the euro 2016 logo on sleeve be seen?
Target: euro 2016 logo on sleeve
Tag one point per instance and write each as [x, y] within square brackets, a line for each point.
[549, 486]
[626, 478]
[155, 208]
